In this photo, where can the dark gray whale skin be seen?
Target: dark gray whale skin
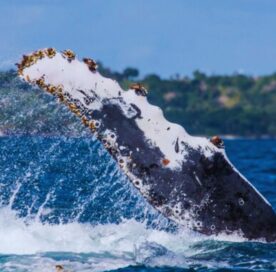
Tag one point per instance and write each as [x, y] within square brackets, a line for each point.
[198, 188]
[233, 204]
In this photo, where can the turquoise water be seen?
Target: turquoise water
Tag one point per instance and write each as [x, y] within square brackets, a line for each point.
[64, 201]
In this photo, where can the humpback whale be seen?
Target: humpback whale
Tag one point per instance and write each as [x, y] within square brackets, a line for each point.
[188, 179]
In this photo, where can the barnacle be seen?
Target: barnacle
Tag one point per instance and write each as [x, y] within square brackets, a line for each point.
[69, 54]
[92, 125]
[139, 89]
[92, 65]
[50, 52]
[39, 54]
[84, 120]
[51, 89]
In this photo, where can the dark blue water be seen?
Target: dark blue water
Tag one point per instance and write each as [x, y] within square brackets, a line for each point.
[64, 201]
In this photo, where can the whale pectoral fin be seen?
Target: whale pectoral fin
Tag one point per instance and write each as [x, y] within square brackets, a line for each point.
[188, 179]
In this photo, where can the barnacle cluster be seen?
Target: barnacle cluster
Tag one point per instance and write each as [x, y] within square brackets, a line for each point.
[92, 65]
[50, 52]
[139, 89]
[73, 108]
[217, 141]
[55, 90]
[85, 120]
[69, 55]
[58, 91]
[28, 60]
[39, 54]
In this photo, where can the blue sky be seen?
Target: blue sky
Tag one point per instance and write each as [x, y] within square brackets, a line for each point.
[157, 36]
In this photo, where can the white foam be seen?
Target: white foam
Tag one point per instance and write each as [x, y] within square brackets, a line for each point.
[17, 237]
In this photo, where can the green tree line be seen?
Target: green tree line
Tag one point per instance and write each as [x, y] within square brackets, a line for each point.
[203, 104]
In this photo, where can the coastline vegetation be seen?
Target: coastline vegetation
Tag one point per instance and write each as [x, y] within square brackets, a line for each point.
[203, 104]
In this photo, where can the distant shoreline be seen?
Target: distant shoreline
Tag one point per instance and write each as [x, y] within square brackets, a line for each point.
[253, 137]
[233, 107]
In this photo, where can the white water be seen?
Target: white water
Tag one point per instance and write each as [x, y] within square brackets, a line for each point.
[17, 237]
[95, 248]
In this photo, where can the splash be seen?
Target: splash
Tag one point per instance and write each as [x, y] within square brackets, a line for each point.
[130, 241]
[83, 247]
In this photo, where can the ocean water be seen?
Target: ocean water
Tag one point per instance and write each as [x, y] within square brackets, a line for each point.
[63, 201]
